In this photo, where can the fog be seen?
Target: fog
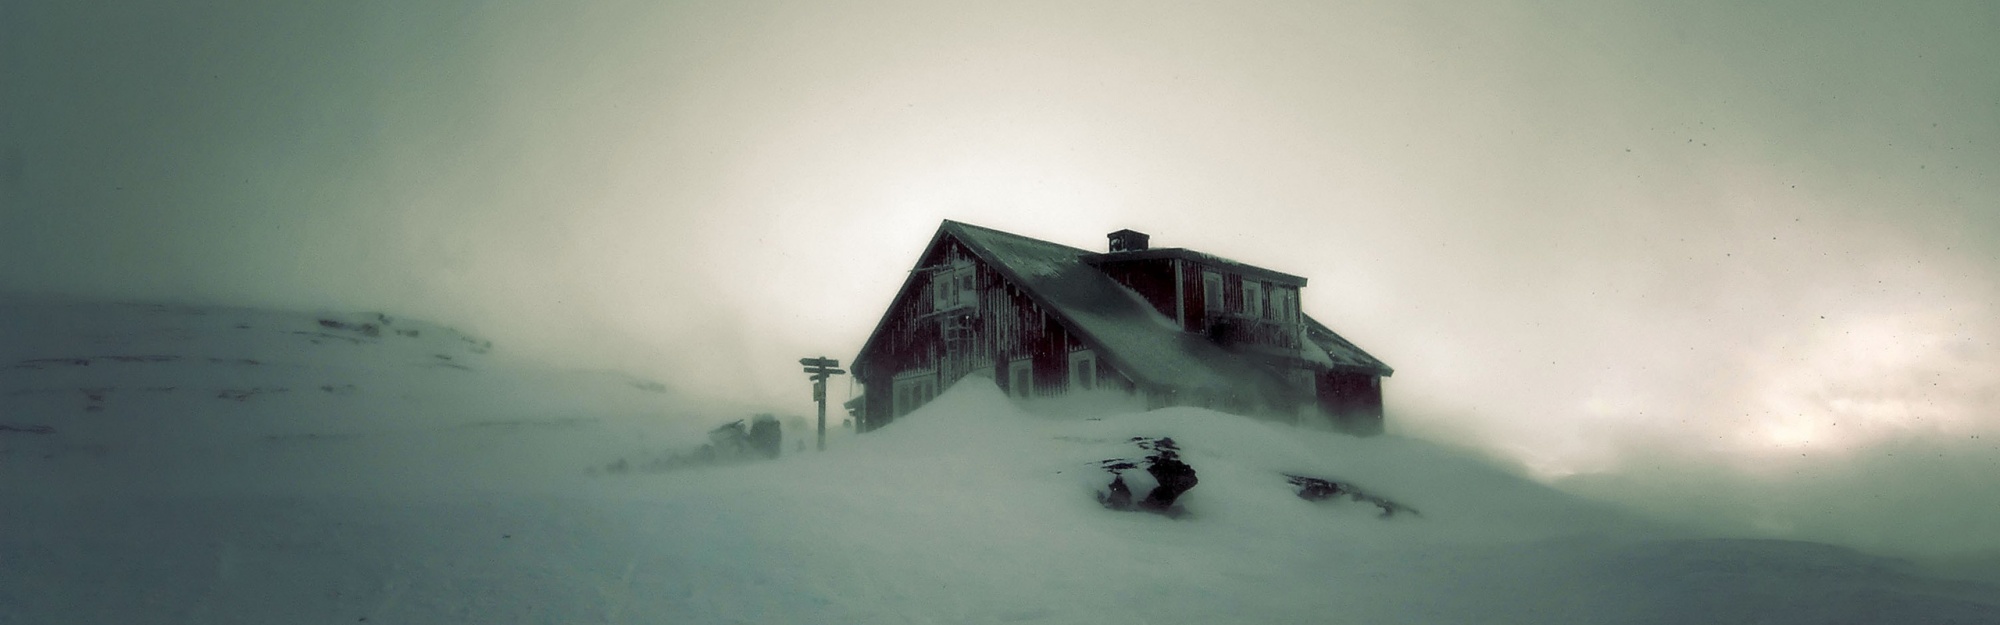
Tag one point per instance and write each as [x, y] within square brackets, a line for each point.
[1733, 264]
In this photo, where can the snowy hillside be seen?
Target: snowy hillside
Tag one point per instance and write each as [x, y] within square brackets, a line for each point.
[163, 399]
[183, 465]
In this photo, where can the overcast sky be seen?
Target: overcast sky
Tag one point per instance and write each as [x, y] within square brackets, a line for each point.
[1687, 240]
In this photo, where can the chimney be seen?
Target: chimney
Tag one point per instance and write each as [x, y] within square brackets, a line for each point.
[1128, 241]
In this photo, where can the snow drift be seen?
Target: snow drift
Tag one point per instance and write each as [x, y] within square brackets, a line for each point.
[421, 492]
[166, 399]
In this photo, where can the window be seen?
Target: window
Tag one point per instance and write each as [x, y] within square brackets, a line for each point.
[1211, 291]
[943, 291]
[1021, 378]
[959, 332]
[1284, 305]
[953, 286]
[1253, 298]
[912, 390]
[1082, 370]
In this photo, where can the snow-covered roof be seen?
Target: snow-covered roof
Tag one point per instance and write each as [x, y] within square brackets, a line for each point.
[1212, 260]
[1128, 332]
[1341, 353]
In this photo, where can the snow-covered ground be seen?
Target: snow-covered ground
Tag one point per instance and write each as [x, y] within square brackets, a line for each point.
[163, 464]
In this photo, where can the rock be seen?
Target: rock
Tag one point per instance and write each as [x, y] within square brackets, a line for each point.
[1119, 496]
[1165, 478]
[1174, 477]
[765, 437]
[730, 439]
[1318, 489]
[757, 438]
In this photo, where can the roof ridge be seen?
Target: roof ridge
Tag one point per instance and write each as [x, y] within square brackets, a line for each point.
[961, 224]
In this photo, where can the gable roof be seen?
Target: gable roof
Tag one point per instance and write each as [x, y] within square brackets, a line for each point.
[1122, 328]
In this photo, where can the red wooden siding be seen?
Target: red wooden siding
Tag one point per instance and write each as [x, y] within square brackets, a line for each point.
[1152, 279]
[983, 326]
[1004, 325]
[1261, 330]
[1352, 400]
[1193, 298]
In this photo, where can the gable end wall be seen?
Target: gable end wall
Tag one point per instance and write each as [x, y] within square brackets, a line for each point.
[1004, 326]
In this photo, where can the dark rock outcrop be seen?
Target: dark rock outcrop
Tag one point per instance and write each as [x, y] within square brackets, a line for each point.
[1319, 489]
[1166, 474]
[27, 428]
[765, 438]
[743, 440]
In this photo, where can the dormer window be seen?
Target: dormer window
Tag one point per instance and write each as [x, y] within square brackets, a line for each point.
[1211, 291]
[1284, 301]
[1253, 299]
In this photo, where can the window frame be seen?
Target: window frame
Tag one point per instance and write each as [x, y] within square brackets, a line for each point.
[955, 286]
[1211, 291]
[1083, 370]
[911, 390]
[1021, 378]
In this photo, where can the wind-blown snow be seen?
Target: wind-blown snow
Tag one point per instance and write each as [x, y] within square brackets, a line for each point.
[159, 399]
[433, 494]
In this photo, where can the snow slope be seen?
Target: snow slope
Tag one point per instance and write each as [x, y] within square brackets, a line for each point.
[164, 399]
[417, 492]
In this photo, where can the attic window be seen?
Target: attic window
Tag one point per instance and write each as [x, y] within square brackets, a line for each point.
[953, 286]
[1253, 299]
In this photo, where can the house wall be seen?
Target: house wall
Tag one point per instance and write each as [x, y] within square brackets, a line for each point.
[1001, 324]
[1004, 324]
[1231, 325]
[1152, 279]
[1192, 298]
[1352, 400]
[913, 335]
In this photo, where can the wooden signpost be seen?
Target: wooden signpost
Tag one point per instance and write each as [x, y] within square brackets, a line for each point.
[821, 368]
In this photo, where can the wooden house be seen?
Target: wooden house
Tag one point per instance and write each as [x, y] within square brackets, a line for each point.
[1175, 326]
